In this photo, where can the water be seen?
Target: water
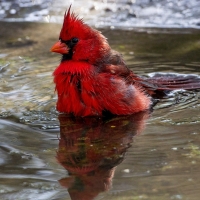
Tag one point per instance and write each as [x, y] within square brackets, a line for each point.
[110, 13]
[45, 156]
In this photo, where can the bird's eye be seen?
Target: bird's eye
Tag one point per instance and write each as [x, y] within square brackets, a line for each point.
[74, 40]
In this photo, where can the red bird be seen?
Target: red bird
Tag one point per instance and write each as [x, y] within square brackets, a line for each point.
[92, 79]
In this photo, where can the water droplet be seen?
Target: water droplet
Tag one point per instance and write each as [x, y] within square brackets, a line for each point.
[126, 170]
[13, 11]
[47, 18]
[194, 162]
[177, 196]
[153, 150]
[194, 133]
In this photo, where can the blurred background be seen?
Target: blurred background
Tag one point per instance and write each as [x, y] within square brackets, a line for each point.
[103, 13]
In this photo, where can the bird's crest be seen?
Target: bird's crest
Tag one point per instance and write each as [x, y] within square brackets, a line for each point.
[74, 27]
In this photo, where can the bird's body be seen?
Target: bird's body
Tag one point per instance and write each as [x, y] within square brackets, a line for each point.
[92, 79]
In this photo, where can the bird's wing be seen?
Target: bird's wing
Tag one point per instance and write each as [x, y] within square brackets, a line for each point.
[114, 64]
[157, 83]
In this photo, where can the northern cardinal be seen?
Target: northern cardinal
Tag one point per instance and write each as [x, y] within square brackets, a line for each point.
[92, 79]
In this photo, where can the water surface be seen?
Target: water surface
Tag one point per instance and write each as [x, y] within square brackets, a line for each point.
[49, 156]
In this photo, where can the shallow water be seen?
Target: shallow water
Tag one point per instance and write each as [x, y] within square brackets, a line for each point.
[147, 156]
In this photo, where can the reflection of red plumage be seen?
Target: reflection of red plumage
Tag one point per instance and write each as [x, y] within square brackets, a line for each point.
[91, 148]
[92, 78]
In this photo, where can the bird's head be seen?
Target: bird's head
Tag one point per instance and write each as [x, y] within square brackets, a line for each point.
[79, 42]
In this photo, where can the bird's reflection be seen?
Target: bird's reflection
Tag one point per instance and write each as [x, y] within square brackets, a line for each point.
[91, 148]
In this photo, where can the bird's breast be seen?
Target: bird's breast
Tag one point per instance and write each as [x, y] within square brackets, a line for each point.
[91, 95]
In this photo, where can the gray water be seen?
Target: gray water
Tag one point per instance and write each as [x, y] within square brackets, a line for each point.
[44, 155]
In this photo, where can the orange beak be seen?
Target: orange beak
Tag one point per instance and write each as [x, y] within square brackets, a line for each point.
[60, 47]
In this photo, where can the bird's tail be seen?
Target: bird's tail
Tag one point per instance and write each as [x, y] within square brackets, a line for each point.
[160, 82]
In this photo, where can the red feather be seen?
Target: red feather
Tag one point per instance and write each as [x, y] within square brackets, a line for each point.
[92, 78]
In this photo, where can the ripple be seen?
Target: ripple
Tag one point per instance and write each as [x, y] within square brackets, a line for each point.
[159, 162]
[24, 169]
[123, 14]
